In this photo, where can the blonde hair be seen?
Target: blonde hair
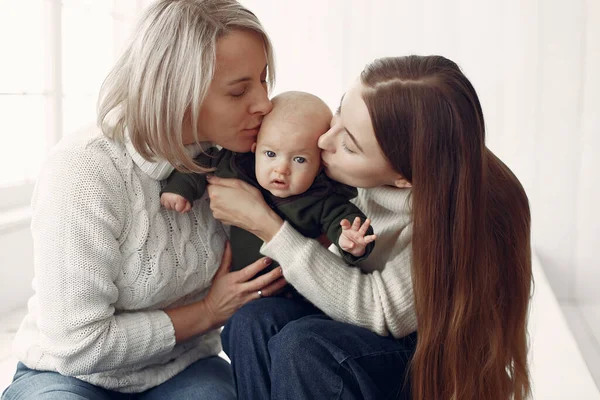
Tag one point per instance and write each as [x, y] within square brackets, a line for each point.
[166, 71]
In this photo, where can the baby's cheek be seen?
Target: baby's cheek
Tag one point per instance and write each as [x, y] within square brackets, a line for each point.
[304, 184]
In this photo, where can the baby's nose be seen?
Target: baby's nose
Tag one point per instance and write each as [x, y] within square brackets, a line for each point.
[283, 169]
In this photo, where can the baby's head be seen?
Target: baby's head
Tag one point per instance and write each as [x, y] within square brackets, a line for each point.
[287, 156]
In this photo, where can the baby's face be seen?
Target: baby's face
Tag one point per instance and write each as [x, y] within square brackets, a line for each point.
[287, 157]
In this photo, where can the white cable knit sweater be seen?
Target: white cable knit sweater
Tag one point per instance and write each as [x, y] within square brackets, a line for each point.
[379, 295]
[108, 260]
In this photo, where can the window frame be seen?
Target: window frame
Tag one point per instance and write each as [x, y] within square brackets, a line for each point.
[18, 195]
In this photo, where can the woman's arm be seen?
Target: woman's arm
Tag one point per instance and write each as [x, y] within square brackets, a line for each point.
[381, 301]
[79, 211]
[228, 292]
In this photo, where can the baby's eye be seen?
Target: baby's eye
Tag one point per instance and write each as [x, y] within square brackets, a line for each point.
[270, 153]
[300, 160]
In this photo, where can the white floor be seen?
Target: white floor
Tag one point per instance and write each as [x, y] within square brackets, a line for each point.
[9, 323]
[584, 321]
[565, 358]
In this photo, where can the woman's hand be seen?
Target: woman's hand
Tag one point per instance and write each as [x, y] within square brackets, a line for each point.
[229, 291]
[234, 202]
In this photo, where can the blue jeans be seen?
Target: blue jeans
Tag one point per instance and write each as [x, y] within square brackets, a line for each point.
[287, 349]
[206, 379]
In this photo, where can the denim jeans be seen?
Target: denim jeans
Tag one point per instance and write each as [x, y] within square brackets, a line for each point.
[206, 379]
[287, 349]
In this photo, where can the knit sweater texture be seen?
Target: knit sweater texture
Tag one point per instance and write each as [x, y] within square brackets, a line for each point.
[108, 260]
[378, 293]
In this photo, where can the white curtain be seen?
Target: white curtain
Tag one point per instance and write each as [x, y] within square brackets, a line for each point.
[535, 66]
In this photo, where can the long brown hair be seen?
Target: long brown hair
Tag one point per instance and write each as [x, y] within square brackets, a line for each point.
[471, 231]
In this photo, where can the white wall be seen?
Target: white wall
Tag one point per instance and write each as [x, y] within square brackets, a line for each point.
[16, 271]
[63, 48]
[587, 224]
[534, 64]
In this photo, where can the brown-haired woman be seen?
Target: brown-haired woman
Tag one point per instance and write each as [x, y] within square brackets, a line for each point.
[452, 259]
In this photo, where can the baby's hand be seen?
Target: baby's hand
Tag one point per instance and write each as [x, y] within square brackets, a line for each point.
[353, 239]
[172, 201]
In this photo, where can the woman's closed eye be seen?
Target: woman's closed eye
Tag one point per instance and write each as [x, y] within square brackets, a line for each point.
[238, 94]
[238, 90]
[346, 148]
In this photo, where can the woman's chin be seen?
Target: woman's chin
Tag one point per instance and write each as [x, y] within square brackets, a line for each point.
[332, 175]
[344, 179]
[240, 147]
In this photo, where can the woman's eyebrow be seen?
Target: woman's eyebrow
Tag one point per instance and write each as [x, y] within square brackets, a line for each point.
[339, 109]
[245, 78]
[339, 113]
[354, 140]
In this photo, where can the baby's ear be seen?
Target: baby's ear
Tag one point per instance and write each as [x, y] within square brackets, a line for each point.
[253, 148]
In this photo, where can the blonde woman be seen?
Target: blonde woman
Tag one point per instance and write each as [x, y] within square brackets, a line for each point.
[438, 311]
[129, 297]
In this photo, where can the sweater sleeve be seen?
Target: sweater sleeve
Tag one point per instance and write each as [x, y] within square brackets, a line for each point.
[79, 212]
[381, 301]
[191, 185]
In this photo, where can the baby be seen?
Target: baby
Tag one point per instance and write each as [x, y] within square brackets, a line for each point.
[285, 164]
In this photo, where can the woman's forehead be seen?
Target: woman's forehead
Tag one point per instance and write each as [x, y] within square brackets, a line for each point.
[356, 119]
[240, 55]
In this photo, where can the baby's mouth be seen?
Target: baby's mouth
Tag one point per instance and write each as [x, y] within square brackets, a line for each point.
[278, 183]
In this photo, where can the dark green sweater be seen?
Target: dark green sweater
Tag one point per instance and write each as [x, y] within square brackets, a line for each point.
[318, 210]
